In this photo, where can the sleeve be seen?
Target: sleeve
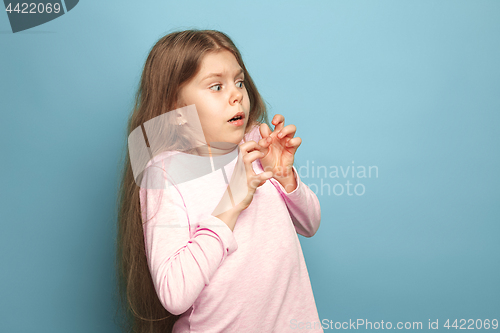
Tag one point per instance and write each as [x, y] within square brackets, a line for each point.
[182, 255]
[303, 205]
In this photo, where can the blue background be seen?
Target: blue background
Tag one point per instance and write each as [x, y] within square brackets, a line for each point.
[411, 87]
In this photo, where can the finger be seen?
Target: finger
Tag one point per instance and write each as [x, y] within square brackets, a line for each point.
[278, 122]
[254, 182]
[264, 143]
[249, 146]
[265, 176]
[265, 131]
[249, 158]
[260, 179]
[243, 150]
[249, 152]
[262, 146]
[294, 142]
[252, 156]
[278, 118]
[287, 131]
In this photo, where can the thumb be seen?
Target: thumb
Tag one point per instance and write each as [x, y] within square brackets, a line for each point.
[265, 176]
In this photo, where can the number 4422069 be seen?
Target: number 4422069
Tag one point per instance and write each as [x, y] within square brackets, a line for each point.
[472, 324]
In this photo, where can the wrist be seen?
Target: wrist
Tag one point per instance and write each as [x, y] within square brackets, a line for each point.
[289, 182]
[230, 216]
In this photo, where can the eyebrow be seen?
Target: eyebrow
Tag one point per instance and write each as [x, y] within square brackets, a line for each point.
[219, 75]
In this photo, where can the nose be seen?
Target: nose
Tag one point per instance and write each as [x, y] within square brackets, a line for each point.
[236, 95]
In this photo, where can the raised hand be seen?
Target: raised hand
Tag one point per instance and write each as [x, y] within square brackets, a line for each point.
[243, 184]
[279, 147]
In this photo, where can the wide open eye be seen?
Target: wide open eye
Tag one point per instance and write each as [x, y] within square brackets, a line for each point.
[217, 85]
[242, 83]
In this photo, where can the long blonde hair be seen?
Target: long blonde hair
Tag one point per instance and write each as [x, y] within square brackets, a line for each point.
[172, 62]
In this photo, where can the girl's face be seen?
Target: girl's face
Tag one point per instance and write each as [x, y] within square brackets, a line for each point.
[218, 92]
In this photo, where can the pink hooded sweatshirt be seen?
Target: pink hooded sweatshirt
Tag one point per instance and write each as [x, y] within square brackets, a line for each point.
[252, 279]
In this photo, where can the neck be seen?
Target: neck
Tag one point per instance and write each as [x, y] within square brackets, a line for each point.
[216, 149]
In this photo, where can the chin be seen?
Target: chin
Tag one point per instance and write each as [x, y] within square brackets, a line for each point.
[238, 138]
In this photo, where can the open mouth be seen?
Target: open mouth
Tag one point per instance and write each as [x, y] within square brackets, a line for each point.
[238, 116]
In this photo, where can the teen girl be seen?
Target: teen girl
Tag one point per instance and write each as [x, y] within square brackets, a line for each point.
[183, 265]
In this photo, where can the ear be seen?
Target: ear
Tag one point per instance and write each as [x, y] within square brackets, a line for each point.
[180, 118]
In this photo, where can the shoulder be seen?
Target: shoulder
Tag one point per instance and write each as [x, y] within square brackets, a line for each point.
[160, 158]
